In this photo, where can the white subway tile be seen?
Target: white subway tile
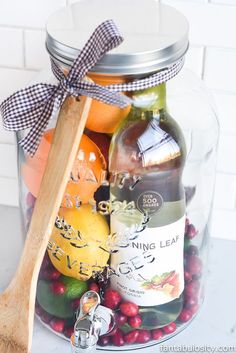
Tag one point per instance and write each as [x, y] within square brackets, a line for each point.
[6, 136]
[225, 191]
[28, 13]
[194, 59]
[223, 2]
[9, 192]
[223, 224]
[36, 55]
[13, 79]
[210, 24]
[8, 165]
[226, 154]
[220, 69]
[11, 47]
[226, 109]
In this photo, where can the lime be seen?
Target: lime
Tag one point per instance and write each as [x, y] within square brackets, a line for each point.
[56, 305]
[74, 287]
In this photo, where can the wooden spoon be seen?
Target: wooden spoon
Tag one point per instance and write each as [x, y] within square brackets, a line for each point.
[18, 300]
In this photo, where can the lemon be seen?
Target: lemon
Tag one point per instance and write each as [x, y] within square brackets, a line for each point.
[78, 244]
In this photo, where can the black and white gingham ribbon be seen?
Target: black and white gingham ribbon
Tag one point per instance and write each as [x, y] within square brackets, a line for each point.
[32, 107]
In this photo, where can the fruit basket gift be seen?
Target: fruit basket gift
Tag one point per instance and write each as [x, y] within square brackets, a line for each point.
[128, 252]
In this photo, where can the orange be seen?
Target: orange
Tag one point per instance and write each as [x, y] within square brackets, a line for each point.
[87, 174]
[78, 243]
[104, 117]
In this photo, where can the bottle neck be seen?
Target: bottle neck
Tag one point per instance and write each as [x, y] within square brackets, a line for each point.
[151, 99]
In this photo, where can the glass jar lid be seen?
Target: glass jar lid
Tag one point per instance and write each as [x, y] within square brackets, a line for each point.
[155, 35]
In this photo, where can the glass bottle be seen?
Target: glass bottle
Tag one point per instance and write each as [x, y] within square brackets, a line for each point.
[147, 157]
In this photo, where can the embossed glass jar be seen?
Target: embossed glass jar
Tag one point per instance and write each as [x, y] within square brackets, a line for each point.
[134, 222]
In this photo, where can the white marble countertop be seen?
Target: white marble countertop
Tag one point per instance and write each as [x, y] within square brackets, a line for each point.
[214, 327]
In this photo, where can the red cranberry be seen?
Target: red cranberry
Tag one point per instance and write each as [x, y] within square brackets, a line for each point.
[194, 265]
[118, 338]
[112, 299]
[185, 315]
[192, 250]
[58, 288]
[192, 288]
[135, 321]
[191, 231]
[129, 309]
[57, 325]
[194, 309]
[104, 341]
[187, 276]
[190, 302]
[170, 328]
[157, 334]
[68, 332]
[30, 199]
[143, 336]
[75, 304]
[45, 317]
[120, 319]
[131, 337]
[93, 286]
[112, 330]
[50, 274]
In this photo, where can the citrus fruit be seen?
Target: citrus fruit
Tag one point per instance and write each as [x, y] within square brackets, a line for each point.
[78, 242]
[105, 117]
[56, 305]
[60, 305]
[87, 174]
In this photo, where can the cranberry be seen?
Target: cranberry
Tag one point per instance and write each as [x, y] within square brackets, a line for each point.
[112, 299]
[104, 341]
[187, 276]
[112, 330]
[190, 302]
[129, 309]
[185, 315]
[192, 250]
[170, 328]
[93, 286]
[68, 332]
[194, 265]
[131, 337]
[120, 319]
[135, 321]
[50, 274]
[192, 288]
[143, 336]
[45, 317]
[191, 231]
[57, 325]
[157, 334]
[30, 199]
[58, 288]
[194, 309]
[118, 338]
[75, 304]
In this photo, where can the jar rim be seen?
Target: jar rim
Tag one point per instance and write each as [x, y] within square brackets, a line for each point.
[163, 41]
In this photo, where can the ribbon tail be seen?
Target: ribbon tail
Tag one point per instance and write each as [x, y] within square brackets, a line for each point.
[32, 140]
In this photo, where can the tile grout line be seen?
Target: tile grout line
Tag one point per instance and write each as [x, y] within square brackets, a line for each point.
[24, 49]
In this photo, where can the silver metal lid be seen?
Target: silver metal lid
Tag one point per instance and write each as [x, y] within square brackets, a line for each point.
[155, 35]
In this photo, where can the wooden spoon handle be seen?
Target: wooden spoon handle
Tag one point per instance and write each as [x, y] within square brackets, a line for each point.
[70, 125]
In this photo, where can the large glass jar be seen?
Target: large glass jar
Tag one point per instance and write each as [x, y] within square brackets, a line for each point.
[134, 221]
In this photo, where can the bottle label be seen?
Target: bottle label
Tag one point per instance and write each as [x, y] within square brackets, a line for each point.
[149, 270]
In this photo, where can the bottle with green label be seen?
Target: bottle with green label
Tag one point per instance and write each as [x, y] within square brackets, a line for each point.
[147, 158]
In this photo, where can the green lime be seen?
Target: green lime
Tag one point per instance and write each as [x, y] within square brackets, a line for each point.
[74, 287]
[56, 305]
